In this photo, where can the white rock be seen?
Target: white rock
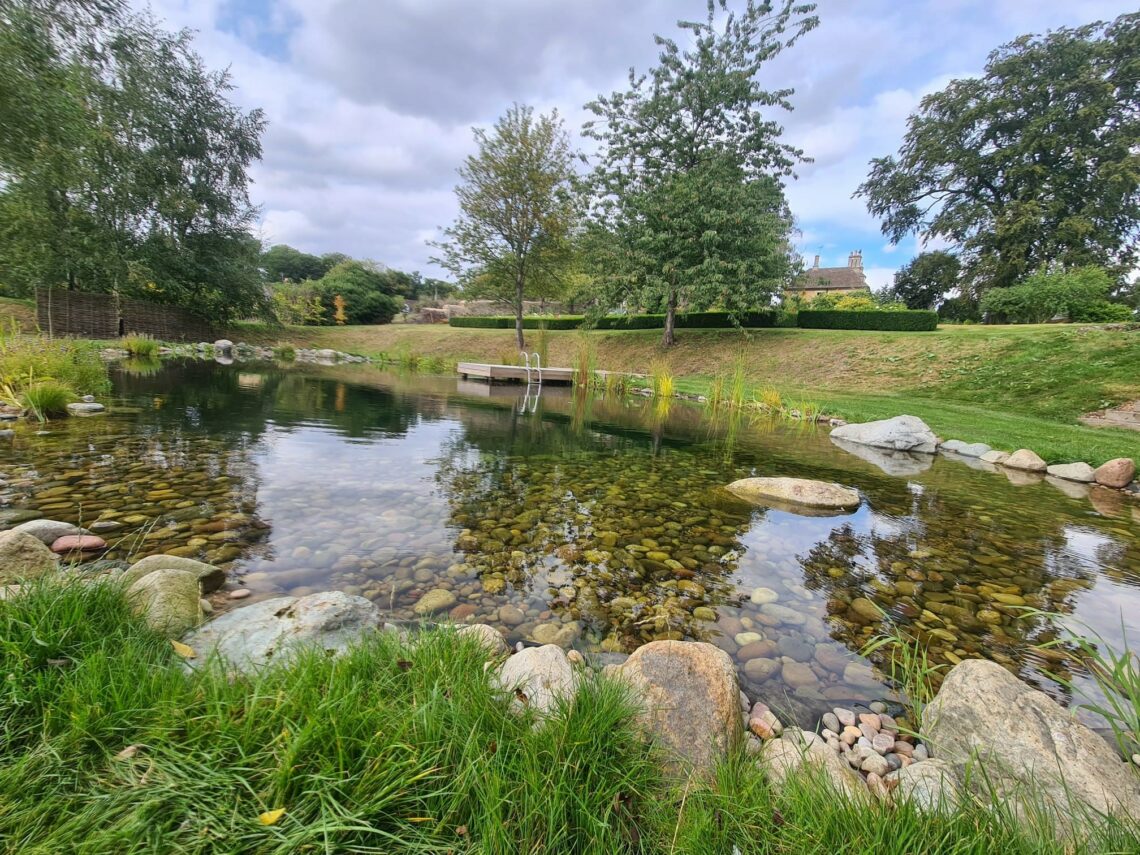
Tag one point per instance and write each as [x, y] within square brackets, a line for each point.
[1080, 472]
[541, 675]
[995, 456]
[902, 433]
[932, 785]
[796, 494]
[1025, 460]
[792, 754]
[966, 449]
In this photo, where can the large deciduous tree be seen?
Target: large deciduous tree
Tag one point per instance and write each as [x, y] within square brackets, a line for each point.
[926, 279]
[688, 189]
[123, 163]
[517, 208]
[1032, 165]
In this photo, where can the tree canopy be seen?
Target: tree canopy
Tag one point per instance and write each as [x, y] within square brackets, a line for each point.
[123, 163]
[688, 188]
[1032, 165]
[517, 208]
[926, 279]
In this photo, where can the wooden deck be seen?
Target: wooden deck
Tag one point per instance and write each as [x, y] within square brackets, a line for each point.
[512, 373]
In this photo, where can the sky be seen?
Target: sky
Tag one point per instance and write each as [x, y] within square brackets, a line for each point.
[371, 103]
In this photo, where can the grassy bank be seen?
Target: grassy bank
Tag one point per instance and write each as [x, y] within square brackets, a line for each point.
[1011, 387]
[107, 746]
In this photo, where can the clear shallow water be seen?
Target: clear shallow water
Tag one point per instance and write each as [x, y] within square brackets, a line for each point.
[585, 521]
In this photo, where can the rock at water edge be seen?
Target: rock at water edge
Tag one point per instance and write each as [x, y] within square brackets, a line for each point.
[1025, 460]
[902, 433]
[690, 699]
[539, 676]
[169, 600]
[1116, 473]
[796, 493]
[1025, 742]
[211, 578]
[273, 630]
[1082, 473]
[23, 557]
[932, 785]
[49, 531]
[799, 753]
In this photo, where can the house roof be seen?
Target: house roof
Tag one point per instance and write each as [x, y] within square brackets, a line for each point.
[831, 279]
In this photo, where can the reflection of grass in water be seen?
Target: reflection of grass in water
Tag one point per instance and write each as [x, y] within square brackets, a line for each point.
[662, 381]
[141, 366]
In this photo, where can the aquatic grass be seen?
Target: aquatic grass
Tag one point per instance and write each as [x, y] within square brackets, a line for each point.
[585, 360]
[47, 398]
[738, 389]
[26, 360]
[907, 664]
[615, 384]
[661, 380]
[286, 353]
[542, 343]
[1116, 672]
[138, 344]
[772, 400]
[715, 396]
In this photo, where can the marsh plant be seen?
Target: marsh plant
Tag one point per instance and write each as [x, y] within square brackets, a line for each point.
[585, 361]
[907, 664]
[137, 344]
[661, 381]
[46, 399]
[285, 353]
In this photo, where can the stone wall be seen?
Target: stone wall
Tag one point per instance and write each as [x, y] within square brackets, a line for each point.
[106, 316]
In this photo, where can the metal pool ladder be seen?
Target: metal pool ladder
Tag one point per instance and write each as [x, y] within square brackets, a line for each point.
[537, 368]
[529, 402]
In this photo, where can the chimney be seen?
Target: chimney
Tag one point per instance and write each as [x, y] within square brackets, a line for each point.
[816, 262]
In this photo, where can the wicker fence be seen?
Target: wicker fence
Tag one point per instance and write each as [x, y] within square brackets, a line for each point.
[107, 316]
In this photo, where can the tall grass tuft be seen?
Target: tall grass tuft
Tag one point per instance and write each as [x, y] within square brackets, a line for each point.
[286, 353]
[47, 398]
[738, 390]
[661, 380]
[542, 343]
[615, 384]
[26, 360]
[137, 344]
[772, 400]
[585, 360]
[907, 665]
[715, 397]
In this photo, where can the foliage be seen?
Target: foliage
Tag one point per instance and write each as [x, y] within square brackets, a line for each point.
[47, 398]
[689, 203]
[122, 161]
[907, 664]
[836, 319]
[923, 281]
[960, 309]
[1032, 164]
[685, 320]
[364, 289]
[661, 380]
[511, 240]
[139, 345]
[282, 262]
[338, 310]
[28, 361]
[1077, 295]
[284, 353]
[297, 303]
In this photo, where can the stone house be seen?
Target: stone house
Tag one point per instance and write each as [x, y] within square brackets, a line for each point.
[830, 280]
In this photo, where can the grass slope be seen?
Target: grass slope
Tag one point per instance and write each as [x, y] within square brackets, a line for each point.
[107, 746]
[1012, 387]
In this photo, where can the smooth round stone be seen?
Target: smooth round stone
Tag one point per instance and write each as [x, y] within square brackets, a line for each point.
[757, 650]
[894, 761]
[462, 611]
[877, 786]
[796, 647]
[743, 639]
[850, 735]
[877, 707]
[904, 749]
[831, 722]
[760, 669]
[882, 742]
[798, 675]
[874, 763]
[511, 615]
[240, 593]
[434, 600]
[78, 542]
[704, 613]
[846, 717]
[869, 733]
[760, 596]
[887, 722]
[921, 752]
[872, 721]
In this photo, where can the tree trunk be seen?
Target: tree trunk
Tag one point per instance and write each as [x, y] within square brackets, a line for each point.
[670, 319]
[519, 311]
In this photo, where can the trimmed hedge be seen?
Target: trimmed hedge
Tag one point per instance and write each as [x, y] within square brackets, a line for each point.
[911, 320]
[686, 320]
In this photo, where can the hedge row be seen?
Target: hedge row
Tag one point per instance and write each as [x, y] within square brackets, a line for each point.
[687, 320]
[903, 321]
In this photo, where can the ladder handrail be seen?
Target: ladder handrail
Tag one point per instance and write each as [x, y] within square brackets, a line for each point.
[538, 367]
[526, 364]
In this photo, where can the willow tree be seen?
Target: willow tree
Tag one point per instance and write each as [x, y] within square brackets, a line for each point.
[689, 183]
[517, 208]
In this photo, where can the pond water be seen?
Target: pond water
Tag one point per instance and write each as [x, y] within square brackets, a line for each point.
[580, 520]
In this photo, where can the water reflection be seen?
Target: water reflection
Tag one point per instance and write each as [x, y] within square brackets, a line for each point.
[567, 517]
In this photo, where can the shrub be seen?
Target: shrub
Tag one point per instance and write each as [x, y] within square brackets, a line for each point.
[139, 345]
[363, 292]
[905, 320]
[26, 360]
[1079, 295]
[284, 352]
[685, 320]
[47, 398]
[959, 310]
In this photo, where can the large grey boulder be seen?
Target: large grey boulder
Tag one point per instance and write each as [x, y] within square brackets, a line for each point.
[539, 676]
[932, 785]
[272, 630]
[902, 433]
[690, 699]
[209, 577]
[898, 463]
[799, 495]
[170, 601]
[24, 557]
[49, 531]
[1007, 735]
[804, 753]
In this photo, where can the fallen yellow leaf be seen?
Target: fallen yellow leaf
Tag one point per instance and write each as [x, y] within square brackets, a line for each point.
[128, 752]
[183, 650]
[271, 817]
[419, 819]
